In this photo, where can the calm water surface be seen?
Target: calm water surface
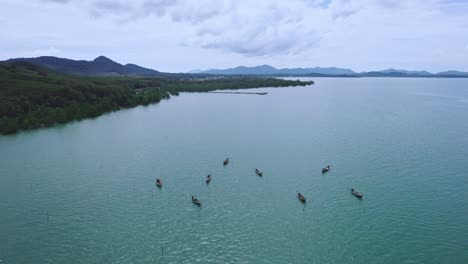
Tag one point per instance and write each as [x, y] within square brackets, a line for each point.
[85, 193]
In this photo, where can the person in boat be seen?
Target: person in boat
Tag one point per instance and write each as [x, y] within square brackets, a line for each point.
[195, 200]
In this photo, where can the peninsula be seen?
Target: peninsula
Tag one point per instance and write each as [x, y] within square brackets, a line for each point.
[34, 96]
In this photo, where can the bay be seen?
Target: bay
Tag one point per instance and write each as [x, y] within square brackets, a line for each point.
[84, 192]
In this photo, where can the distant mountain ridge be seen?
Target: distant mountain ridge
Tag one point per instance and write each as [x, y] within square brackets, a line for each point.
[103, 66]
[269, 70]
[99, 66]
[453, 73]
[406, 72]
[328, 71]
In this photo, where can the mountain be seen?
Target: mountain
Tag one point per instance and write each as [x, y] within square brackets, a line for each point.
[394, 71]
[330, 72]
[138, 70]
[405, 73]
[242, 70]
[269, 70]
[318, 70]
[99, 66]
[453, 73]
[103, 66]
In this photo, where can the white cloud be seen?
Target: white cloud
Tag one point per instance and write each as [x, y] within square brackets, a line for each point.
[184, 34]
[266, 28]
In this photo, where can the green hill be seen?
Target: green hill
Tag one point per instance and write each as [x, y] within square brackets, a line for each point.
[101, 66]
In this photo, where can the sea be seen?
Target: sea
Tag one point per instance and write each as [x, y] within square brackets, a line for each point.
[85, 192]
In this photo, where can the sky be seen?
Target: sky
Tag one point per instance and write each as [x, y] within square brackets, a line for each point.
[183, 35]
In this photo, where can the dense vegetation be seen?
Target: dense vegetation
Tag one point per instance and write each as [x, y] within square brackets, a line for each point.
[32, 96]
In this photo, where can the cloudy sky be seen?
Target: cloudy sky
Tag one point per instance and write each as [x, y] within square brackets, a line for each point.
[182, 35]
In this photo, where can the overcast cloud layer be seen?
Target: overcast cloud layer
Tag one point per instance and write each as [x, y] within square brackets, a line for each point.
[180, 35]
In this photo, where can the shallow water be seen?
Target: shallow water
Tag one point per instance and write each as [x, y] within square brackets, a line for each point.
[85, 193]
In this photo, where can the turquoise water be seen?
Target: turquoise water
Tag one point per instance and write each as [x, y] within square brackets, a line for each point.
[85, 193]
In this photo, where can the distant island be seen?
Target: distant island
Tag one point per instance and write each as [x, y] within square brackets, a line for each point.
[266, 70]
[46, 91]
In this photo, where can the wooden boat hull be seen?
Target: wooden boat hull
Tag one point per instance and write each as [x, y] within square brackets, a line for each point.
[301, 198]
[357, 194]
[196, 201]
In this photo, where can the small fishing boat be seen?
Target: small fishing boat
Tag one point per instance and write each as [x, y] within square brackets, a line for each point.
[158, 183]
[208, 178]
[259, 173]
[301, 197]
[357, 194]
[226, 161]
[196, 201]
[327, 168]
